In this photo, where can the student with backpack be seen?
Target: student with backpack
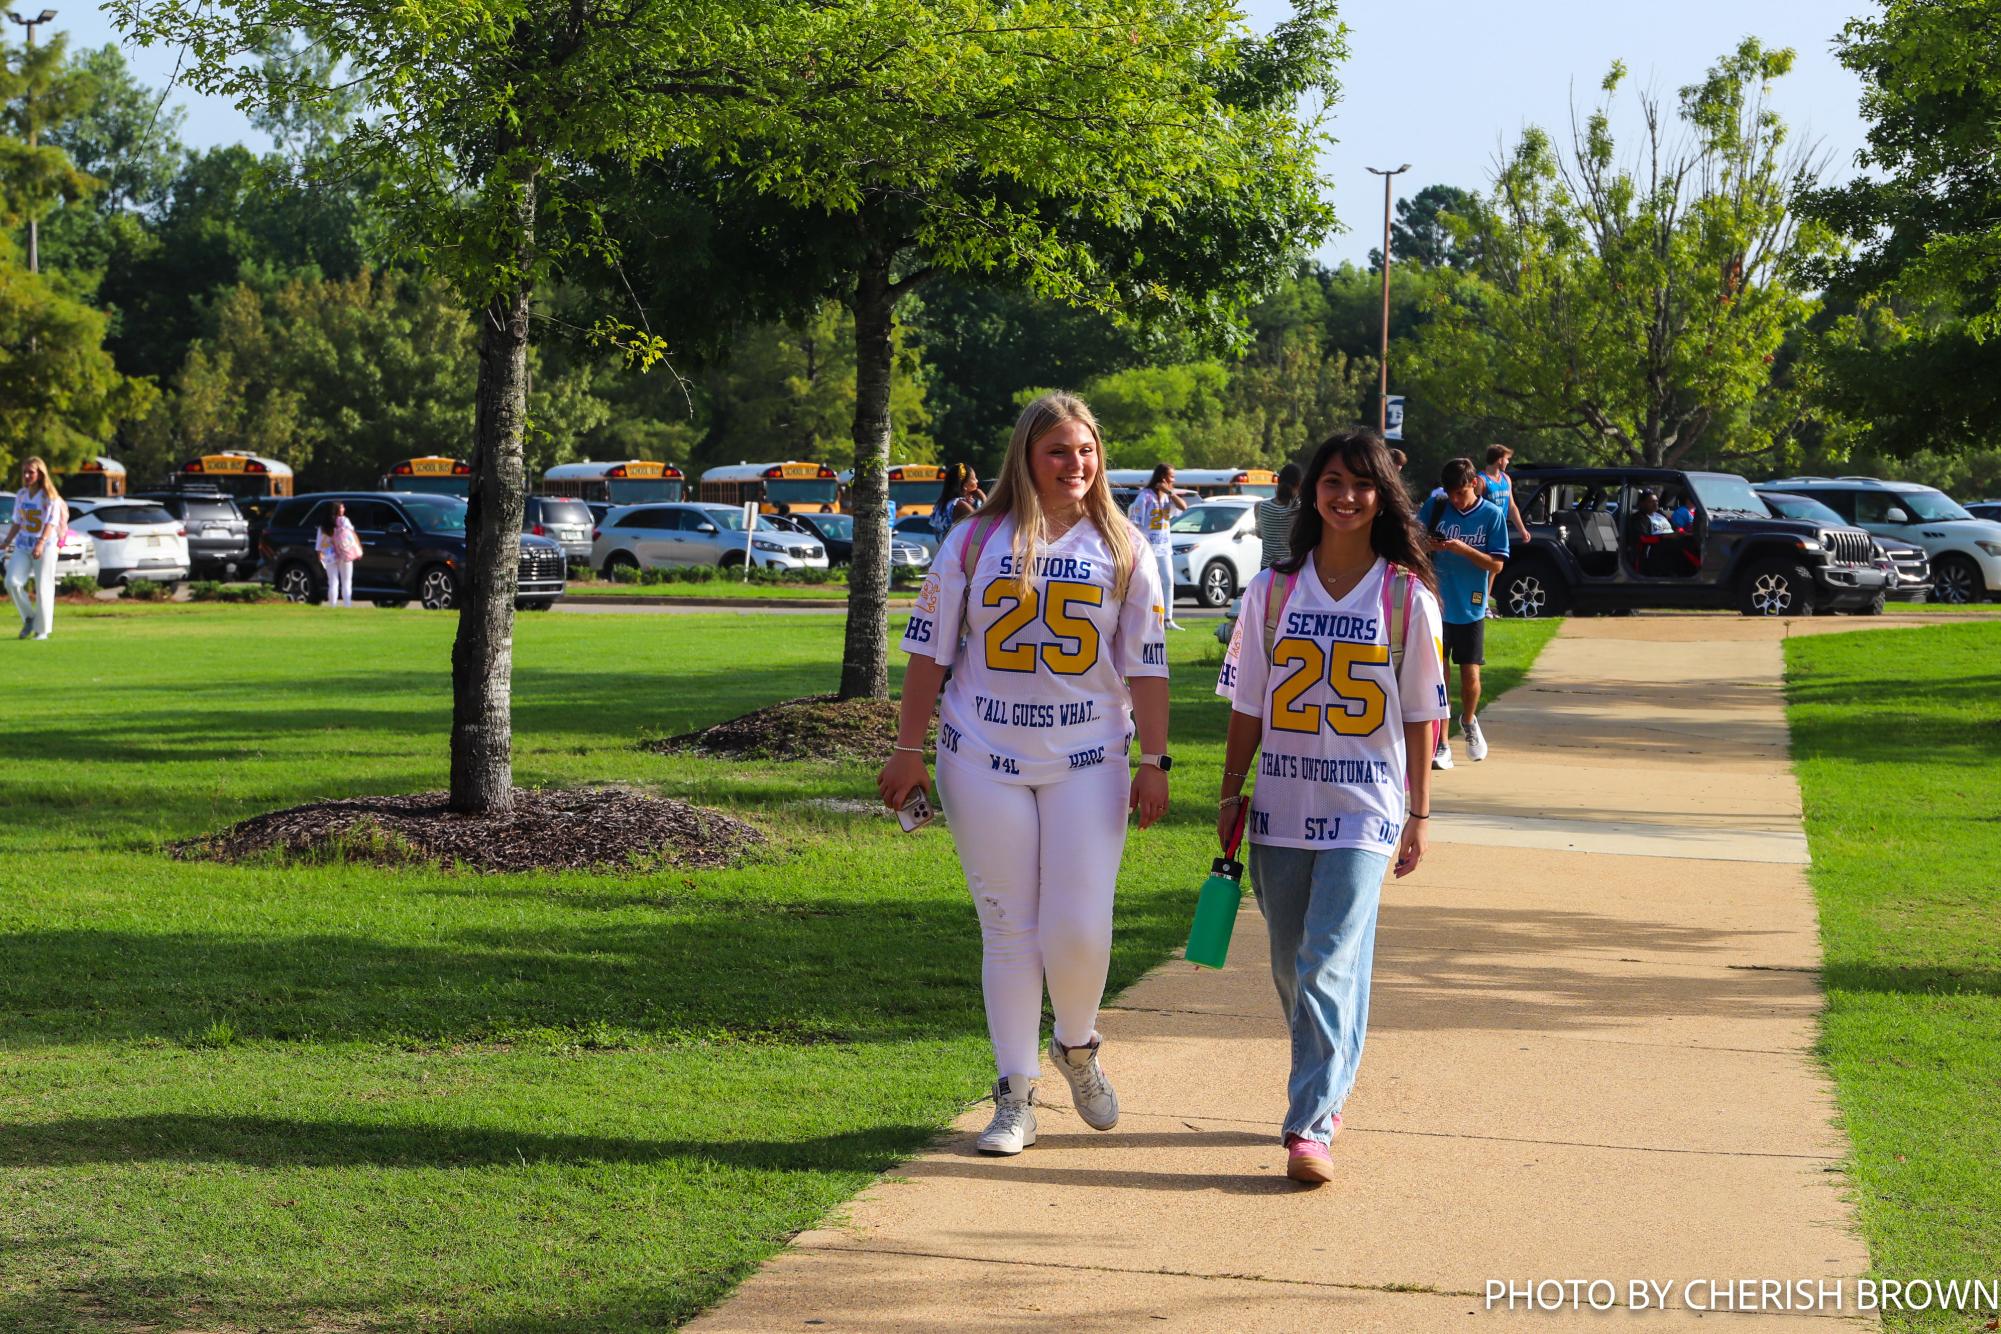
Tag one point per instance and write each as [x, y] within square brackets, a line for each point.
[1334, 681]
[31, 544]
[1469, 536]
[1154, 511]
[1063, 659]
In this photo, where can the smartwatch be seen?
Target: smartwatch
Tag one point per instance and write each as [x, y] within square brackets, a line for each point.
[1160, 762]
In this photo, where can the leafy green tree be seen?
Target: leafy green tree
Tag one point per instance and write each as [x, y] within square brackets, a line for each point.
[1915, 361]
[1638, 308]
[1421, 234]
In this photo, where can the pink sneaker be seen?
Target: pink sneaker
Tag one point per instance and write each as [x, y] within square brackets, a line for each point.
[1308, 1160]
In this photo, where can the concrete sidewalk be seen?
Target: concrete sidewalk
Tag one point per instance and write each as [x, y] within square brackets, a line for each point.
[1588, 1058]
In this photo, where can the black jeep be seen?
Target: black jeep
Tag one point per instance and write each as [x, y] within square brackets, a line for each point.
[1608, 539]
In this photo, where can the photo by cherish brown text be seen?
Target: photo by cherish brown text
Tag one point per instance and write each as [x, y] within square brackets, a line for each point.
[1744, 1294]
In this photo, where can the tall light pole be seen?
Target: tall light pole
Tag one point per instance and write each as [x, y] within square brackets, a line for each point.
[34, 134]
[1383, 391]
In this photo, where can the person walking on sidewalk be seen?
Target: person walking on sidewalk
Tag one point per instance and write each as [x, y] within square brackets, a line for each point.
[32, 542]
[1334, 679]
[1275, 518]
[1154, 512]
[959, 497]
[1046, 610]
[339, 547]
[1469, 537]
[1500, 488]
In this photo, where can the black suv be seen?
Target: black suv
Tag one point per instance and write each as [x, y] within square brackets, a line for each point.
[218, 534]
[413, 547]
[1595, 544]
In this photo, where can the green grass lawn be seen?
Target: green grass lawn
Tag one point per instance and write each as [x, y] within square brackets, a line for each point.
[1897, 741]
[720, 588]
[319, 1096]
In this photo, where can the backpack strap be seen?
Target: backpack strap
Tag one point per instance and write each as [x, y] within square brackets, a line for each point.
[976, 544]
[1276, 593]
[1399, 590]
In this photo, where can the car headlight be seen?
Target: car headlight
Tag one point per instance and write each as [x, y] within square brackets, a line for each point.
[1991, 548]
[1183, 548]
[1807, 544]
[762, 545]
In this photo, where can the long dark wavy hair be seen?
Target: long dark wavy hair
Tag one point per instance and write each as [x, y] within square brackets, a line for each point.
[1394, 535]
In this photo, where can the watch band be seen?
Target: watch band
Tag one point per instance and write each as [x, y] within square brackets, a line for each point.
[1160, 762]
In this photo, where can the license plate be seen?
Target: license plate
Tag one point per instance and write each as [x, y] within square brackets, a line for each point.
[156, 541]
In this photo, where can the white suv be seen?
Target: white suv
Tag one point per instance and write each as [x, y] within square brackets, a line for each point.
[1965, 551]
[1216, 549]
[646, 537]
[134, 539]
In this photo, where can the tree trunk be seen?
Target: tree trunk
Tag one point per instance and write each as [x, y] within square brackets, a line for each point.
[865, 658]
[483, 652]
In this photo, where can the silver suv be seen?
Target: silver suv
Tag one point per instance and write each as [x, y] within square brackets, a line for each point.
[1965, 551]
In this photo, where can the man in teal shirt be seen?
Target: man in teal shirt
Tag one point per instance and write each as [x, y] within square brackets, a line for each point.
[1469, 543]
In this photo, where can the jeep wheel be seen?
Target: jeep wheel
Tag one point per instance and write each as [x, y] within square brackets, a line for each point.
[438, 589]
[1534, 591]
[1776, 588]
[1873, 607]
[1218, 586]
[1955, 579]
[296, 584]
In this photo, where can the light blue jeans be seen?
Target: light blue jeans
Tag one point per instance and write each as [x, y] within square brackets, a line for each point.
[1320, 909]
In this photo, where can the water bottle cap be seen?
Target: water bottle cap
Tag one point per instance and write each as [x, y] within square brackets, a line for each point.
[1225, 866]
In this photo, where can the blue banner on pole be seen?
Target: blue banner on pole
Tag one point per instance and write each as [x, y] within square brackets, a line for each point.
[1393, 417]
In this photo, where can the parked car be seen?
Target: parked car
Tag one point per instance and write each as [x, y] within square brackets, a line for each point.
[1909, 570]
[564, 521]
[1591, 546]
[413, 548]
[76, 556]
[218, 534]
[134, 539]
[1965, 551]
[647, 537]
[836, 532]
[1216, 549]
[1985, 509]
[916, 530]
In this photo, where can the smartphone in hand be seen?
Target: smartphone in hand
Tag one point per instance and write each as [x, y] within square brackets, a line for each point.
[915, 813]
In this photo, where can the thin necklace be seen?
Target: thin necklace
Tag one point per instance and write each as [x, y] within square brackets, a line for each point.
[1328, 582]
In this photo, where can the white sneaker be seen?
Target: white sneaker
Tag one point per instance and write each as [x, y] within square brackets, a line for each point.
[1013, 1126]
[1442, 757]
[1476, 740]
[1174, 625]
[1090, 1091]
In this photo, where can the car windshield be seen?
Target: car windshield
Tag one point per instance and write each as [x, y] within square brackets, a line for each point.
[731, 520]
[207, 510]
[565, 511]
[1209, 519]
[1801, 507]
[1931, 506]
[132, 514]
[834, 527]
[436, 514]
[1726, 493]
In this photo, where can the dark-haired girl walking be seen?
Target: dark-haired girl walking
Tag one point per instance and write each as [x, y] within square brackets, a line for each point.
[1334, 680]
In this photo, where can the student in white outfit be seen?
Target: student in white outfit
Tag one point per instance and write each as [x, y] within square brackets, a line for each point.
[1049, 615]
[339, 547]
[32, 542]
[1334, 678]
[1154, 512]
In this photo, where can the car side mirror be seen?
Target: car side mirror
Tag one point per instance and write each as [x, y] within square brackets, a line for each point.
[1240, 534]
[705, 528]
[1896, 515]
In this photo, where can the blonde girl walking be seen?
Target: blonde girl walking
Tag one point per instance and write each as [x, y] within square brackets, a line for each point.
[1049, 615]
[32, 541]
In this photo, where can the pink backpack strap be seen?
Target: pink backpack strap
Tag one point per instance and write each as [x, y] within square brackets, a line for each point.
[1277, 592]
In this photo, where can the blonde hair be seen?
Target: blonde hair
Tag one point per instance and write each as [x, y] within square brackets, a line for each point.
[49, 491]
[1015, 496]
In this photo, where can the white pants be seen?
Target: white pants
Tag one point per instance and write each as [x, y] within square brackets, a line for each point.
[39, 611]
[1042, 864]
[340, 580]
[1165, 560]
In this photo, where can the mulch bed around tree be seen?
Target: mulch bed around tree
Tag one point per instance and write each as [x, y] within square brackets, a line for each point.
[550, 829]
[816, 727]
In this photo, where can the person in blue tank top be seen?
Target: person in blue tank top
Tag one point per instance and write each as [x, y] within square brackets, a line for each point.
[1469, 540]
[1501, 490]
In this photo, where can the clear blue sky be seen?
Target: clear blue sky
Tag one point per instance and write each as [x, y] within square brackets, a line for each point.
[1438, 85]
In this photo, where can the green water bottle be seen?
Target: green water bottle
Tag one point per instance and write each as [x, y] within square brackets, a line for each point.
[1216, 908]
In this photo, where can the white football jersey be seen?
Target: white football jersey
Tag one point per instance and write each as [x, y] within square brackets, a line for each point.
[1330, 767]
[1038, 688]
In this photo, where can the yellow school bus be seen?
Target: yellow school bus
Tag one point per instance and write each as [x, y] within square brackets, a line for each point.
[805, 488]
[433, 474]
[913, 486]
[239, 473]
[1207, 482]
[626, 482]
[95, 478]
